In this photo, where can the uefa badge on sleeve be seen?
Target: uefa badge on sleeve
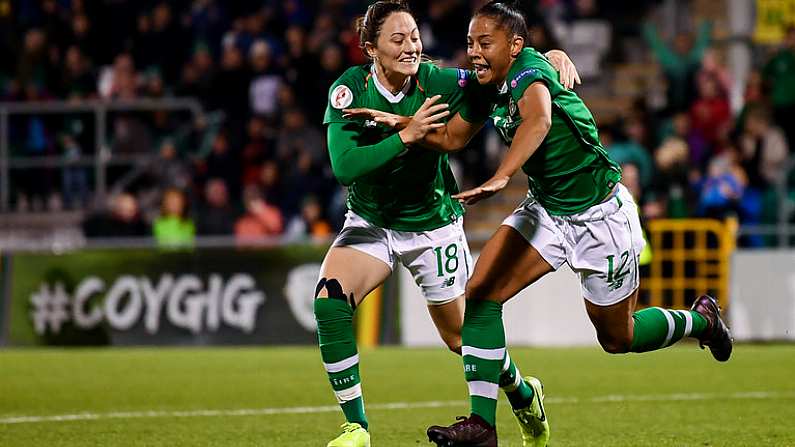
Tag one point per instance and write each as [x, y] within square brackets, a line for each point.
[341, 97]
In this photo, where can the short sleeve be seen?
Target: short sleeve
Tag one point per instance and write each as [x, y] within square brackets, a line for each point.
[478, 98]
[463, 92]
[522, 78]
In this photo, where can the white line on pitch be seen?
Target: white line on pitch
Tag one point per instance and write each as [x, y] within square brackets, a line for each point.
[387, 406]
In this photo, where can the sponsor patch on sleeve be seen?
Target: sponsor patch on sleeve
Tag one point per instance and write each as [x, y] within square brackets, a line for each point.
[341, 97]
[524, 73]
[462, 77]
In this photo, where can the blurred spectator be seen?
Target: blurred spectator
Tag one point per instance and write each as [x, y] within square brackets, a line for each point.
[265, 80]
[764, 149]
[630, 177]
[672, 163]
[679, 63]
[230, 87]
[258, 149]
[309, 223]
[173, 228]
[297, 136]
[120, 80]
[169, 170]
[710, 114]
[74, 178]
[697, 145]
[722, 188]
[261, 219]
[123, 220]
[711, 67]
[629, 150]
[222, 163]
[216, 216]
[779, 73]
[77, 77]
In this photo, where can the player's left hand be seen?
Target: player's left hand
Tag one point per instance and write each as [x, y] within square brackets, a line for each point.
[484, 191]
[389, 119]
[565, 67]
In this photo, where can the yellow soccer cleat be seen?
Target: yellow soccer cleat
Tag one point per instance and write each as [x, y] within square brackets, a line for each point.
[353, 435]
[532, 418]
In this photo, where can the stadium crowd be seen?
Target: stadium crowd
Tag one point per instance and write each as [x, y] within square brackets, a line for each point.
[267, 66]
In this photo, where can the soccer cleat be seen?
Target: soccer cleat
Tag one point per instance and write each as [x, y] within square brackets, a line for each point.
[353, 435]
[532, 419]
[717, 335]
[470, 431]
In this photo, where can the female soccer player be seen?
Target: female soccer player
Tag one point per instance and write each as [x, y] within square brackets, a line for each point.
[576, 212]
[399, 200]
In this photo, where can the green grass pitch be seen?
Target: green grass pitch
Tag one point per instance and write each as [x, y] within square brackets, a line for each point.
[280, 397]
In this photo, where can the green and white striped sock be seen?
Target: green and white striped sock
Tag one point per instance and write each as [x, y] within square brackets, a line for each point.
[340, 357]
[483, 352]
[519, 393]
[657, 328]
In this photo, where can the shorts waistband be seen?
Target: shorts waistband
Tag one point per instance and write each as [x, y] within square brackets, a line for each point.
[611, 205]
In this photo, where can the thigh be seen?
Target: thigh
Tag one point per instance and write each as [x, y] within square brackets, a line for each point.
[357, 272]
[439, 260]
[507, 264]
[613, 322]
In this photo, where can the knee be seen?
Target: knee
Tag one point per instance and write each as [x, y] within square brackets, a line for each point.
[615, 345]
[476, 290]
[454, 344]
[330, 289]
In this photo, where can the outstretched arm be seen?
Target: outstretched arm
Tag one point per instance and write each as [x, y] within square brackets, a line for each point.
[349, 161]
[535, 107]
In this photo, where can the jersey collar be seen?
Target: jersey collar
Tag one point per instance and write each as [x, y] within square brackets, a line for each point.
[503, 89]
[393, 99]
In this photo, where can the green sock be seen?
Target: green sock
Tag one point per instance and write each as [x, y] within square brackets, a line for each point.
[657, 328]
[518, 392]
[483, 350]
[340, 358]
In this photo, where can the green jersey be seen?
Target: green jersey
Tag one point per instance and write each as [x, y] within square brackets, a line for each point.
[392, 186]
[570, 171]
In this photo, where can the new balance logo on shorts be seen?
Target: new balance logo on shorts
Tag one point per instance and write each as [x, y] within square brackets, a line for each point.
[448, 282]
[615, 276]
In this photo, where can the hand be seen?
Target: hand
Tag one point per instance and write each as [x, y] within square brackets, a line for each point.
[565, 67]
[484, 191]
[424, 120]
[398, 122]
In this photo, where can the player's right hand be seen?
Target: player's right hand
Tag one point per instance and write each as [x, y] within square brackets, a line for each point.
[424, 120]
[398, 122]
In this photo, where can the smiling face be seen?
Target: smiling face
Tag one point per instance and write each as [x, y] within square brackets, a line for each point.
[491, 50]
[398, 46]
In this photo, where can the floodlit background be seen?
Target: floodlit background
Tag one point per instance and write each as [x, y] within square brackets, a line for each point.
[166, 197]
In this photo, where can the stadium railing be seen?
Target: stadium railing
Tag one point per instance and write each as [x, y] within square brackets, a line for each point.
[689, 257]
[101, 157]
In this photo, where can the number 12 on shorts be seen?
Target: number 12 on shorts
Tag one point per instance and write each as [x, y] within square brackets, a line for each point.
[447, 259]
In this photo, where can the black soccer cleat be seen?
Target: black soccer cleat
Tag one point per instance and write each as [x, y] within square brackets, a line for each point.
[471, 431]
[717, 335]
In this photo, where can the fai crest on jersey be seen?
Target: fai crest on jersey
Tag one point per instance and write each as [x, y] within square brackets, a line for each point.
[462, 78]
[511, 106]
[341, 97]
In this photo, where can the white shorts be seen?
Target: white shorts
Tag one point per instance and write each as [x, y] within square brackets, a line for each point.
[601, 244]
[438, 259]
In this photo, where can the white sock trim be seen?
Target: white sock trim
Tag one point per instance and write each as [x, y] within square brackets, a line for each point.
[348, 394]
[485, 354]
[507, 363]
[688, 322]
[671, 327]
[342, 365]
[483, 389]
